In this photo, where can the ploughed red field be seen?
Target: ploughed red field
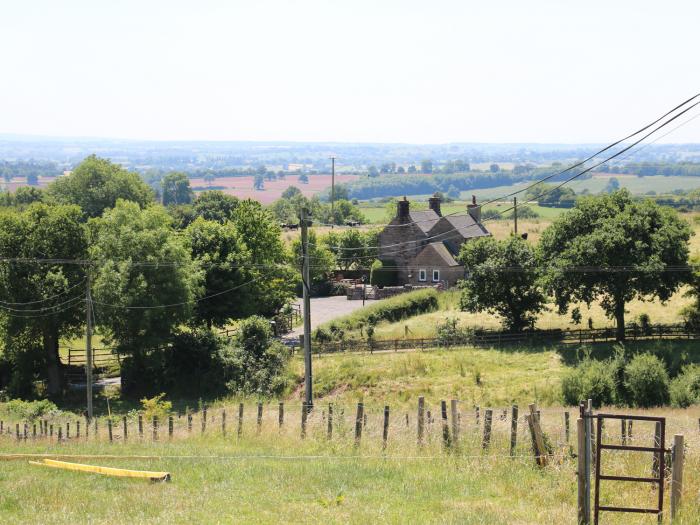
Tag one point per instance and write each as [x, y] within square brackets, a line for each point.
[242, 187]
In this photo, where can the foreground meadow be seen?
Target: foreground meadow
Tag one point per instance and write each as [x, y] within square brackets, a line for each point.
[250, 470]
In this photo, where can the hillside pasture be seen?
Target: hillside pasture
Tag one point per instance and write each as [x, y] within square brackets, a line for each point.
[270, 473]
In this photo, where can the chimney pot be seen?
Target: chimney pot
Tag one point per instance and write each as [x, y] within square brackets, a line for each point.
[434, 204]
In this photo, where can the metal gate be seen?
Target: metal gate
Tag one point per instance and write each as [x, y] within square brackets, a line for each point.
[658, 450]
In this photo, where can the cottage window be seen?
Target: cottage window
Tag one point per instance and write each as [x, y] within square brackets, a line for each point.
[436, 276]
[422, 275]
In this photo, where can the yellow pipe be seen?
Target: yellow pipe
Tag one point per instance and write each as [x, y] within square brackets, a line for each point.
[107, 471]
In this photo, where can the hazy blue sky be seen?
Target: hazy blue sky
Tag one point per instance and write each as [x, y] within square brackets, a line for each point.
[392, 71]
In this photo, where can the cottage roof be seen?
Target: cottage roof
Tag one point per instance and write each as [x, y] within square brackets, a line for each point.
[466, 226]
[435, 254]
[424, 219]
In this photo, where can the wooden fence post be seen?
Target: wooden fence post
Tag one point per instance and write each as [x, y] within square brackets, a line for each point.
[189, 421]
[623, 431]
[385, 432]
[140, 426]
[445, 426]
[454, 414]
[677, 474]
[60, 429]
[488, 418]
[204, 419]
[223, 422]
[629, 430]
[67, 430]
[171, 426]
[109, 428]
[421, 419]
[240, 419]
[513, 429]
[329, 431]
[50, 430]
[476, 410]
[259, 420]
[280, 414]
[540, 450]
[583, 494]
[359, 418]
[154, 422]
[125, 429]
[304, 415]
[34, 431]
[77, 428]
[566, 426]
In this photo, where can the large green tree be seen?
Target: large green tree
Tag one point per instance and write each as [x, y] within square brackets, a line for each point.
[96, 184]
[176, 189]
[261, 234]
[227, 266]
[614, 249]
[145, 283]
[502, 278]
[42, 295]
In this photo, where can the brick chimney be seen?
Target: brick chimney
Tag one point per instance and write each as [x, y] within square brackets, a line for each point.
[403, 210]
[434, 204]
[474, 210]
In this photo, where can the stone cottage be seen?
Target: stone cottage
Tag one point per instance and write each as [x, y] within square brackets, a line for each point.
[423, 244]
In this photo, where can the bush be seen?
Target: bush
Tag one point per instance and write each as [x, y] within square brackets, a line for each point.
[31, 410]
[646, 380]
[685, 389]
[589, 380]
[391, 310]
[524, 212]
[201, 363]
[258, 360]
[449, 332]
[380, 276]
[156, 406]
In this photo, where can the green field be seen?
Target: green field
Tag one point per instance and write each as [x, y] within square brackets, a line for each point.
[272, 475]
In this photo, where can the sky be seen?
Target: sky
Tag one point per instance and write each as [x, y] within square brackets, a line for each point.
[353, 71]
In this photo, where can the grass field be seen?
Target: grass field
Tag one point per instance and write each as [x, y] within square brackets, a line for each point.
[272, 475]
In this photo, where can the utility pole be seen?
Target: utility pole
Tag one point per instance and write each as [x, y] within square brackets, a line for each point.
[515, 214]
[332, 190]
[88, 346]
[306, 283]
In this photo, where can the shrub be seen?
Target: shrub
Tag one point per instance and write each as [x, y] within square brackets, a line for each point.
[31, 410]
[257, 360]
[393, 309]
[646, 380]
[685, 389]
[645, 323]
[380, 276]
[156, 406]
[201, 363]
[589, 380]
[449, 332]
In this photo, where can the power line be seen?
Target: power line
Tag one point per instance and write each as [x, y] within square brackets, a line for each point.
[6, 303]
[556, 187]
[581, 163]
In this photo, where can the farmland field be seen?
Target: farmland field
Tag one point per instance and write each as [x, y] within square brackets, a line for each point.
[243, 188]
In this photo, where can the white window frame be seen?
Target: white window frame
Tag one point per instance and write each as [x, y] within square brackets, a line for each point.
[436, 271]
[422, 275]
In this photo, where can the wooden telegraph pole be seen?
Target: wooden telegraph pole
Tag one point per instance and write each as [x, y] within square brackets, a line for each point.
[332, 190]
[305, 221]
[88, 346]
[515, 215]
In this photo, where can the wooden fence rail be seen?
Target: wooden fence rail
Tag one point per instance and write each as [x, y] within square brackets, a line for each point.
[497, 338]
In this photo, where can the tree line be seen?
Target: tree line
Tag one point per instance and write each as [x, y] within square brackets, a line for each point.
[153, 276]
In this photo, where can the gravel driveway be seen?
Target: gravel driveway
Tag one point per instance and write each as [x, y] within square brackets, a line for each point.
[325, 309]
